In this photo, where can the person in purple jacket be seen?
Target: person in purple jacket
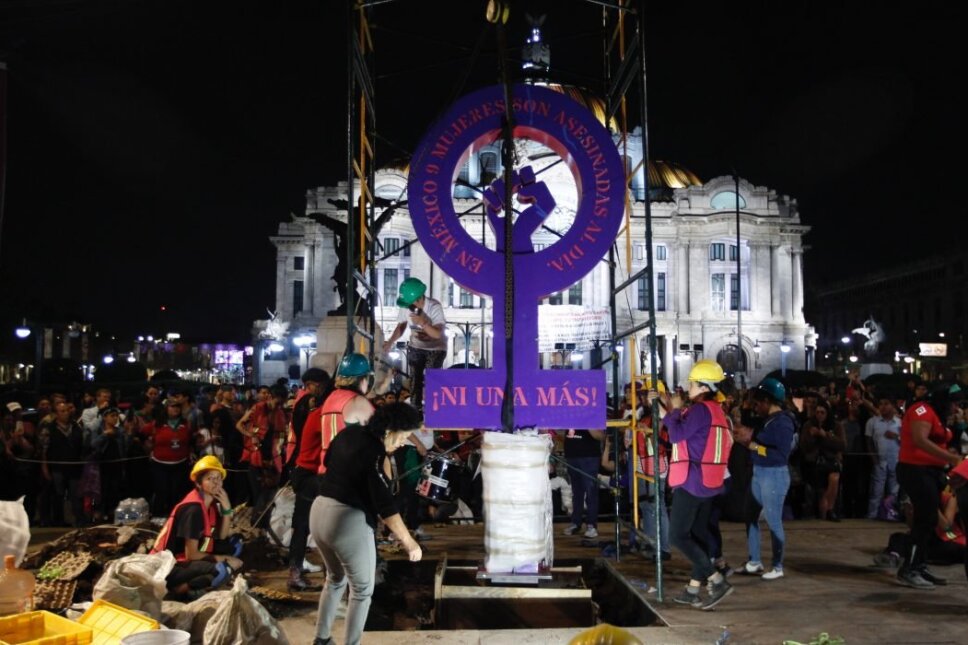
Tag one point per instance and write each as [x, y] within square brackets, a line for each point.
[696, 470]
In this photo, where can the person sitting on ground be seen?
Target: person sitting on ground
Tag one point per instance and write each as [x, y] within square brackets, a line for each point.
[197, 533]
[947, 545]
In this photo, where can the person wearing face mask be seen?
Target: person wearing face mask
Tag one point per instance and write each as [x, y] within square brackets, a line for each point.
[197, 533]
[353, 492]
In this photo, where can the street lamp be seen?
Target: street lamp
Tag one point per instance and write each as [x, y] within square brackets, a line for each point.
[307, 343]
[785, 347]
[23, 332]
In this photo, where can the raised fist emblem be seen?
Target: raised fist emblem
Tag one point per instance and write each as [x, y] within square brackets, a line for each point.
[529, 191]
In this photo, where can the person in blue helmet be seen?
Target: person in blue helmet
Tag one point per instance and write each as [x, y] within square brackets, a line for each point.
[770, 447]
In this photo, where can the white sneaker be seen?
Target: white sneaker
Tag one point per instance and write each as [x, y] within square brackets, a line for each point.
[571, 530]
[591, 532]
[753, 567]
[309, 567]
[773, 574]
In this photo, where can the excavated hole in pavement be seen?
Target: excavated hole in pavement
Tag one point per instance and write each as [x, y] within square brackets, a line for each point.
[405, 599]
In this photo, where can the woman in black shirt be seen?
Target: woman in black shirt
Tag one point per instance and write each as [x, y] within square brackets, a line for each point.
[352, 493]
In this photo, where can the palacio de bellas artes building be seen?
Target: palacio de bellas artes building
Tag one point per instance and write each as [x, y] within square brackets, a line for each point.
[695, 271]
[695, 275]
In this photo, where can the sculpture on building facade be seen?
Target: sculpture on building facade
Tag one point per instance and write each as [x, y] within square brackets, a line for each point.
[874, 333]
[340, 230]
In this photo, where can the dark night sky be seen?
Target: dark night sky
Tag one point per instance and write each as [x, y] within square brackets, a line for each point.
[155, 145]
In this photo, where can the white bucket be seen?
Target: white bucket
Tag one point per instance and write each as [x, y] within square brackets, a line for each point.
[158, 637]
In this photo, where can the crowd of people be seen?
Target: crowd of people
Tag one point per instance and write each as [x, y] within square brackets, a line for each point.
[773, 454]
[354, 460]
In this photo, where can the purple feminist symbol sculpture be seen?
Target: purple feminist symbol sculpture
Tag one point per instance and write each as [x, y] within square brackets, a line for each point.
[543, 398]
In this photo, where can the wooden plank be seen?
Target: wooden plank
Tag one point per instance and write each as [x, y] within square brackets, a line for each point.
[450, 592]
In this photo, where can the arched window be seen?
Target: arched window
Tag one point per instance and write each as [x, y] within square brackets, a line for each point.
[732, 359]
[726, 200]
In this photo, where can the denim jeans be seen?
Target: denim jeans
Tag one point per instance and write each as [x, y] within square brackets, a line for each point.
[883, 477]
[689, 530]
[647, 505]
[770, 486]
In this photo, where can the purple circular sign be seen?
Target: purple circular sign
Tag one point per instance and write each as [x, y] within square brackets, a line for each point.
[549, 118]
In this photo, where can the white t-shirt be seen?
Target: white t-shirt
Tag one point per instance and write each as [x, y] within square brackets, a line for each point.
[418, 339]
[426, 437]
[887, 449]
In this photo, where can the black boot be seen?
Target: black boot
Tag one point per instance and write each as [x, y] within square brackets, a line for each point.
[299, 582]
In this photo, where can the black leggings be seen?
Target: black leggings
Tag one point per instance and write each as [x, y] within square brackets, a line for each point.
[689, 531]
[923, 485]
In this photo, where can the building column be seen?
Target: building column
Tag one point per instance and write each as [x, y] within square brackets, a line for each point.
[283, 308]
[319, 280]
[775, 294]
[682, 279]
[786, 284]
[797, 269]
[760, 281]
[697, 291]
[309, 278]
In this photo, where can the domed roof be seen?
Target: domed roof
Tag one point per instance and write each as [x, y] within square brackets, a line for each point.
[669, 174]
[587, 98]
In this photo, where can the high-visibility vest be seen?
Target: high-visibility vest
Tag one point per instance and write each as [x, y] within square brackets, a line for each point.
[206, 543]
[251, 449]
[647, 453]
[712, 464]
[955, 533]
[332, 421]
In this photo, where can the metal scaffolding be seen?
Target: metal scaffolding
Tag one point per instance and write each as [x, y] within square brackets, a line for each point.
[624, 78]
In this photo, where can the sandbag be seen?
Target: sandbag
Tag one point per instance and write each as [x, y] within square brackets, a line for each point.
[243, 620]
[280, 521]
[14, 530]
[136, 581]
[517, 502]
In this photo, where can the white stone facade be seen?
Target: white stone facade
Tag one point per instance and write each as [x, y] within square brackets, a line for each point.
[694, 246]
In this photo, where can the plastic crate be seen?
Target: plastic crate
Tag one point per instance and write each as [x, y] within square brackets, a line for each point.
[43, 628]
[111, 623]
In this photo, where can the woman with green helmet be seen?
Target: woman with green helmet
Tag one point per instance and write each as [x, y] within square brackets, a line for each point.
[427, 346]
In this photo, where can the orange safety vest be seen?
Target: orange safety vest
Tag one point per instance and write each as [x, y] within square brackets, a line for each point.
[956, 533]
[251, 448]
[331, 420]
[206, 543]
[719, 443]
[647, 454]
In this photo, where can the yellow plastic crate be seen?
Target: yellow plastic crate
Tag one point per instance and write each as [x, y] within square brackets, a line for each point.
[111, 623]
[42, 628]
